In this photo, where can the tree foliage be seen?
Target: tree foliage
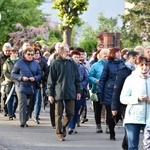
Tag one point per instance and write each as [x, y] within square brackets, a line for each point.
[107, 23]
[29, 33]
[136, 23]
[24, 12]
[68, 13]
[88, 41]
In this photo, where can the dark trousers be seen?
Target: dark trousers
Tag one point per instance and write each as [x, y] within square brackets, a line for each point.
[97, 112]
[60, 119]
[111, 120]
[52, 114]
[25, 106]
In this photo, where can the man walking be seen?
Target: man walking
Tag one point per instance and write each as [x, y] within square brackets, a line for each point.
[63, 87]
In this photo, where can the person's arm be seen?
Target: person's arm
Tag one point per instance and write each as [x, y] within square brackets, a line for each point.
[127, 96]
[120, 78]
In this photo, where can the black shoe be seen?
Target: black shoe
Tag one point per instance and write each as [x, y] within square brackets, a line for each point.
[24, 125]
[112, 138]
[14, 116]
[99, 128]
[10, 117]
[84, 120]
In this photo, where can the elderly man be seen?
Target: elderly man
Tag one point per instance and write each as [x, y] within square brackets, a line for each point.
[3, 56]
[63, 87]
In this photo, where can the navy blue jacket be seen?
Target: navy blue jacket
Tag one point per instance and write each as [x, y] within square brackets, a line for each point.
[122, 74]
[21, 68]
[107, 81]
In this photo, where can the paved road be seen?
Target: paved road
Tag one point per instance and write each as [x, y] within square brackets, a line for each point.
[42, 136]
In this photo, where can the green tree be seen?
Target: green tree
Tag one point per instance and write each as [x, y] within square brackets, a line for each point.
[89, 40]
[25, 12]
[107, 23]
[68, 13]
[136, 23]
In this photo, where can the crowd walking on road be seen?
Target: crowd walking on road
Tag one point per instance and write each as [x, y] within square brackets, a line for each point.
[116, 82]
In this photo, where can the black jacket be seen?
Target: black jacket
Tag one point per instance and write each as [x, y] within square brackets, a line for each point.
[64, 80]
[122, 74]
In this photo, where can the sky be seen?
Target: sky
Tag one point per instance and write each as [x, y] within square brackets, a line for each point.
[110, 8]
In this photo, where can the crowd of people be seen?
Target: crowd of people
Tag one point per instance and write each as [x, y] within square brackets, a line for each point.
[33, 75]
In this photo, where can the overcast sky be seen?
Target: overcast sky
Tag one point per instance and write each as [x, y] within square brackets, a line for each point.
[110, 8]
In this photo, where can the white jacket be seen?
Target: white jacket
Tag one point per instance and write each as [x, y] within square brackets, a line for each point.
[137, 112]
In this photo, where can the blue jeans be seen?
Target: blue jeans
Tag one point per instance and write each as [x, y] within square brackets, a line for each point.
[12, 105]
[133, 134]
[37, 103]
[74, 119]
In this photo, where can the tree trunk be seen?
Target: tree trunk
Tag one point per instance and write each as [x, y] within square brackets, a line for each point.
[67, 35]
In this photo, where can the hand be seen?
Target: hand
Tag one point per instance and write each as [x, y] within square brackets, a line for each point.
[51, 99]
[25, 78]
[32, 79]
[143, 98]
[114, 112]
[78, 96]
[96, 81]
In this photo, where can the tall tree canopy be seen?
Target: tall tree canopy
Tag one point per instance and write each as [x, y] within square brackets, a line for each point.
[136, 23]
[25, 12]
[68, 13]
[107, 23]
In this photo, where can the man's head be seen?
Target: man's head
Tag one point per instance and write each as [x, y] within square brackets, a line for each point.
[147, 52]
[131, 56]
[63, 51]
[25, 45]
[6, 49]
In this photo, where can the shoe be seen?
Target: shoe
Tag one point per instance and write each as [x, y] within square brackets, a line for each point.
[64, 132]
[112, 138]
[10, 117]
[54, 127]
[60, 137]
[71, 131]
[24, 125]
[99, 128]
[84, 120]
[14, 116]
[107, 129]
[36, 121]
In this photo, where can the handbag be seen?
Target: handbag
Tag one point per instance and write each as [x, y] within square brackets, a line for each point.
[6, 87]
[94, 97]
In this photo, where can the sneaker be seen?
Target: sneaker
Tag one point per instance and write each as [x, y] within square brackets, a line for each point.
[36, 121]
[60, 137]
[99, 128]
[84, 120]
[71, 131]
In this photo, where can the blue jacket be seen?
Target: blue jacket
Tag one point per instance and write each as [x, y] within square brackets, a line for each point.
[95, 74]
[21, 68]
[107, 80]
[83, 76]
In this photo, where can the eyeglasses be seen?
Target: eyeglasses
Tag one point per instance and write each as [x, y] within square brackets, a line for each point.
[30, 54]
